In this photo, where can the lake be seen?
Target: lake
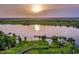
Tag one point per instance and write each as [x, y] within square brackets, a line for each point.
[30, 30]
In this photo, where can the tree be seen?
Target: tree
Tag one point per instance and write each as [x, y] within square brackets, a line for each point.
[7, 41]
[38, 37]
[43, 38]
[9, 33]
[71, 41]
[55, 39]
[25, 38]
[13, 40]
[19, 39]
[64, 38]
[1, 33]
[2, 43]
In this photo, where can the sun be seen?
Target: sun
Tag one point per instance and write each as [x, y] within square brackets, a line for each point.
[36, 8]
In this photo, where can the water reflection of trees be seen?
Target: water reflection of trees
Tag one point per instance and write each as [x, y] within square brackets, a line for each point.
[57, 39]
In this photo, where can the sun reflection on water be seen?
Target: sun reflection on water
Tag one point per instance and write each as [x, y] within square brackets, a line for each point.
[37, 27]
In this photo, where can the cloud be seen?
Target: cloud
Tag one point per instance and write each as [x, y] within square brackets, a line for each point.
[49, 11]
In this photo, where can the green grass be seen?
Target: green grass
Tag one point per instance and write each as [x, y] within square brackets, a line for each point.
[55, 45]
[42, 45]
[55, 49]
[25, 46]
[51, 51]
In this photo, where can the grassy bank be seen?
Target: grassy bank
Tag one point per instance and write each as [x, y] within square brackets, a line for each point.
[39, 47]
[23, 46]
[58, 45]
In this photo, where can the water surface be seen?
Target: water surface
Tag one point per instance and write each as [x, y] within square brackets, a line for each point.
[31, 30]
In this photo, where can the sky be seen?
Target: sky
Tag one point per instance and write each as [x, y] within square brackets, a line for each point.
[48, 11]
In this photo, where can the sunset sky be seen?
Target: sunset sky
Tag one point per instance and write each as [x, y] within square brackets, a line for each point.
[50, 11]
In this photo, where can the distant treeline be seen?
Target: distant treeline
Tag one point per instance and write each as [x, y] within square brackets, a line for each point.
[42, 21]
[60, 18]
